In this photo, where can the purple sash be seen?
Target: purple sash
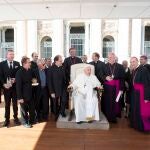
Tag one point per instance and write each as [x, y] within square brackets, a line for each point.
[115, 83]
[144, 107]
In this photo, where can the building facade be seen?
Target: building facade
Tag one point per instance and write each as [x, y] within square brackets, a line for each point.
[125, 37]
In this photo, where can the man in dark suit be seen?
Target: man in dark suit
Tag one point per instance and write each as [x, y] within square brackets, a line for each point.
[24, 93]
[33, 67]
[34, 60]
[48, 62]
[143, 62]
[42, 95]
[57, 86]
[8, 69]
[99, 67]
[70, 61]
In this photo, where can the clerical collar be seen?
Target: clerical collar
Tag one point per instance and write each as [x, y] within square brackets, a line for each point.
[112, 64]
[136, 68]
[57, 66]
[26, 69]
[73, 60]
[72, 57]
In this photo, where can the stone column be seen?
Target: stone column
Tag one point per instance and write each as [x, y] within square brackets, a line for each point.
[58, 37]
[87, 39]
[21, 42]
[95, 36]
[136, 37]
[31, 37]
[123, 42]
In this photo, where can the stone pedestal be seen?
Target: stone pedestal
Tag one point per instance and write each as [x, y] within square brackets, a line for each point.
[103, 124]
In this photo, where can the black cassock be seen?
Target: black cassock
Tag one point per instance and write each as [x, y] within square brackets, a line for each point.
[110, 107]
[99, 70]
[147, 66]
[33, 65]
[57, 84]
[140, 110]
[68, 62]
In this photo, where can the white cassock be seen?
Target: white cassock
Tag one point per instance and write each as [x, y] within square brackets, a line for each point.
[85, 97]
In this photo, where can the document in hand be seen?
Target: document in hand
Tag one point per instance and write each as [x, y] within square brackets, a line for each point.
[118, 96]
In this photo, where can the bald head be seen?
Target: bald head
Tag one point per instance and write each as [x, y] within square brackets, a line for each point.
[134, 62]
[87, 70]
[125, 64]
[34, 56]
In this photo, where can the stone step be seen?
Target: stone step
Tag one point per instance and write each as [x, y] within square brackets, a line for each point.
[103, 124]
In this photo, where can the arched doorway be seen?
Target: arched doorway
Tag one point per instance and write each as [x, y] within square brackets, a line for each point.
[108, 45]
[46, 47]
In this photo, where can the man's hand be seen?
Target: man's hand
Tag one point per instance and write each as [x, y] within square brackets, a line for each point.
[109, 78]
[6, 86]
[146, 101]
[20, 101]
[53, 95]
[13, 80]
[69, 87]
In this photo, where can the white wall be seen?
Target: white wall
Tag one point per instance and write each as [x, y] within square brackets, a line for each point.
[20, 40]
[31, 37]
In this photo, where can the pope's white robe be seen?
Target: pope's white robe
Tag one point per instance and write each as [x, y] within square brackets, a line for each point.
[85, 97]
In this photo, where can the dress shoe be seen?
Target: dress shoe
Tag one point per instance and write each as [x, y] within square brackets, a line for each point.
[56, 117]
[26, 125]
[17, 122]
[32, 122]
[63, 115]
[6, 123]
[91, 121]
[80, 122]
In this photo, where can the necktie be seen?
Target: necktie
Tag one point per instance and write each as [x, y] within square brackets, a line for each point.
[11, 67]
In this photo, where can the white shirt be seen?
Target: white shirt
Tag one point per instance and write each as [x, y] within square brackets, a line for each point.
[8, 62]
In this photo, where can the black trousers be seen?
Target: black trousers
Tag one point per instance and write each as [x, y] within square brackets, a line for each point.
[27, 111]
[10, 96]
[51, 104]
[59, 103]
[35, 95]
[42, 105]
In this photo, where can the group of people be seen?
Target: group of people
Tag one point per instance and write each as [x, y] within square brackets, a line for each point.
[40, 87]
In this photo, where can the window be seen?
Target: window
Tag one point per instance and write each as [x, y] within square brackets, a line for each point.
[6, 41]
[147, 41]
[46, 47]
[77, 39]
[108, 45]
